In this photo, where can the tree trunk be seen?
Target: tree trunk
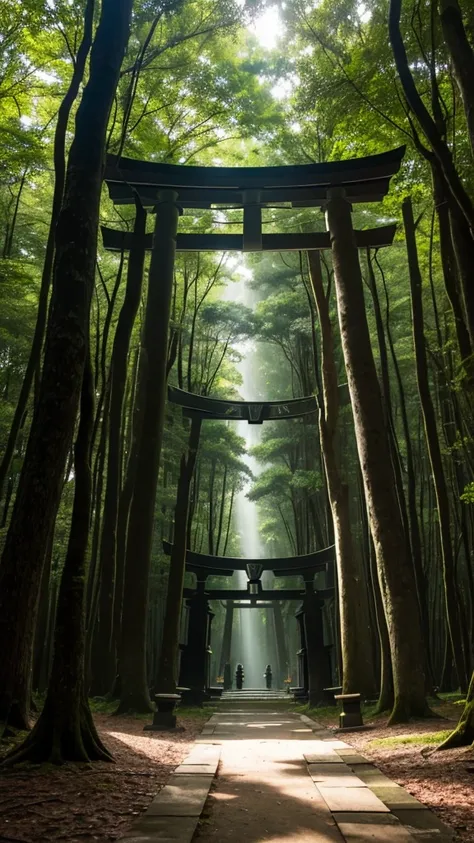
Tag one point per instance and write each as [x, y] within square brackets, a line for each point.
[53, 423]
[428, 125]
[462, 57]
[134, 687]
[118, 377]
[448, 261]
[357, 666]
[434, 450]
[170, 642]
[65, 730]
[59, 154]
[395, 570]
[463, 734]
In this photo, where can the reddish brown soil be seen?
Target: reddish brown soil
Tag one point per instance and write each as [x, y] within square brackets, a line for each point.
[443, 781]
[82, 803]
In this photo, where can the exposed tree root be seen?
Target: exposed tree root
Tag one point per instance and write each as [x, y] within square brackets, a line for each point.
[57, 739]
[404, 709]
[463, 734]
[138, 703]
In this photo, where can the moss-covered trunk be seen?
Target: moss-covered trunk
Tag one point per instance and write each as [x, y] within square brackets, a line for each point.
[357, 665]
[395, 569]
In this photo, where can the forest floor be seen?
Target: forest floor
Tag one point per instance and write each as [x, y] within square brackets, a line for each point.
[98, 802]
[443, 781]
[83, 803]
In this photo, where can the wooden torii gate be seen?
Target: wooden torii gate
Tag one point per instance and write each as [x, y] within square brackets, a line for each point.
[169, 190]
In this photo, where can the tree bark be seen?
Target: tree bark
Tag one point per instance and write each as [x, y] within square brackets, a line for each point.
[53, 423]
[59, 154]
[428, 125]
[395, 570]
[105, 642]
[462, 57]
[65, 730]
[357, 665]
[434, 450]
[463, 734]
[134, 687]
[167, 679]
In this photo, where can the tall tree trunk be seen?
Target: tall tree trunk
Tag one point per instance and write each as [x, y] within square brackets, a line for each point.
[408, 514]
[428, 125]
[55, 415]
[448, 261]
[65, 730]
[118, 378]
[59, 155]
[357, 666]
[395, 570]
[167, 679]
[434, 450]
[462, 57]
[134, 687]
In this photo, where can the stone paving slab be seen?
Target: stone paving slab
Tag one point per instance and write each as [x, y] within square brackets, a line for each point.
[360, 833]
[366, 818]
[371, 775]
[424, 826]
[395, 796]
[352, 758]
[196, 769]
[329, 757]
[352, 799]
[183, 796]
[162, 830]
[330, 775]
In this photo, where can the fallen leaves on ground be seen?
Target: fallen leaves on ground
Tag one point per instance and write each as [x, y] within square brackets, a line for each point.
[84, 803]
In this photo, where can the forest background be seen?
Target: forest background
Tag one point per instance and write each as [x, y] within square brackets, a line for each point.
[200, 83]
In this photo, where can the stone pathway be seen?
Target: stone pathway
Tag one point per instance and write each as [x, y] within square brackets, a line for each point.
[282, 778]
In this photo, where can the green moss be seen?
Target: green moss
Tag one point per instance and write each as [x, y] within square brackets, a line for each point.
[420, 738]
[100, 705]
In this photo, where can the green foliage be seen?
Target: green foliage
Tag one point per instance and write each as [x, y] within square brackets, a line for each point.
[417, 739]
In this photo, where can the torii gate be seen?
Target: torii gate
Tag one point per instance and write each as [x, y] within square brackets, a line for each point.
[170, 189]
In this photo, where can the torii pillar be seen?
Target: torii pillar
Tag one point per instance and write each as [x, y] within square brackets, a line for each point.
[196, 655]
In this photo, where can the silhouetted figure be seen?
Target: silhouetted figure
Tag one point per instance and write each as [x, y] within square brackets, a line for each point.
[239, 677]
[268, 676]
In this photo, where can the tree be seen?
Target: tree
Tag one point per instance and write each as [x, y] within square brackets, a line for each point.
[394, 568]
[357, 667]
[53, 423]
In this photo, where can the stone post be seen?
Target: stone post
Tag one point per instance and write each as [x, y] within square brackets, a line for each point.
[194, 674]
[316, 654]
[302, 657]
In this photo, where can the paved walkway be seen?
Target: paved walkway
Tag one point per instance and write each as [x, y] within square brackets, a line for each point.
[282, 778]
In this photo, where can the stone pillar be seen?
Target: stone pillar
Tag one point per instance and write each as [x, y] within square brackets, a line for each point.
[194, 674]
[210, 618]
[302, 657]
[318, 667]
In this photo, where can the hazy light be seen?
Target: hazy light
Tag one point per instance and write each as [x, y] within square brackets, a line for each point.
[268, 28]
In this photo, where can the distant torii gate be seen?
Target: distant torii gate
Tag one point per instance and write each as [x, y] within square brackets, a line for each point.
[313, 660]
[170, 189]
